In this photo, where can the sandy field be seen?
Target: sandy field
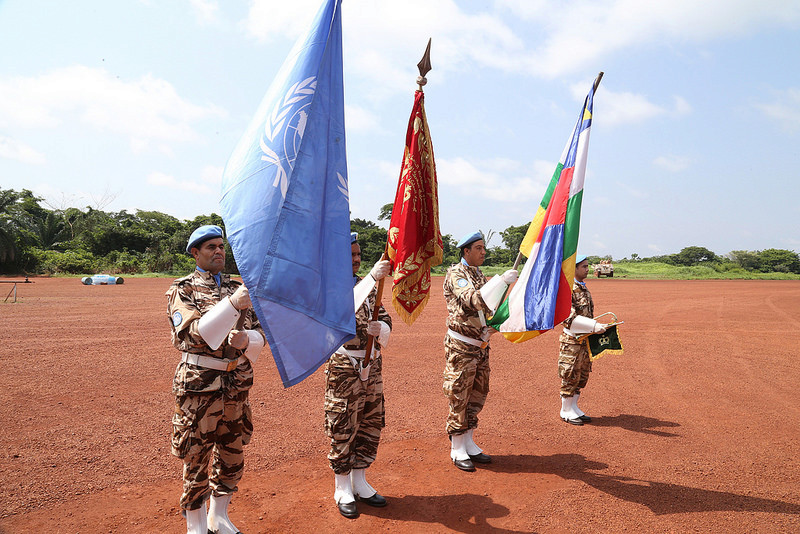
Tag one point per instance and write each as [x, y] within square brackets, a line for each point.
[695, 426]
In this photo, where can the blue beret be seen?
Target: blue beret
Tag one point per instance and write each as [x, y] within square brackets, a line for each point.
[353, 237]
[579, 259]
[469, 239]
[204, 233]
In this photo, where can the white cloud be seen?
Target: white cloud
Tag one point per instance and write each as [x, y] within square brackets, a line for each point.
[359, 119]
[682, 107]
[160, 179]
[632, 191]
[654, 248]
[206, 11]
[785, 109]
[148, 110]
[268, 19]
[501, 180]
[212, 175]
[19, 151]
[672, 163]
[598, 28]
[627, 108]
[384, 40]
[597, 246]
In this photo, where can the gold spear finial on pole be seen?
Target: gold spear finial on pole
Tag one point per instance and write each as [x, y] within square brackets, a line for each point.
[424, 66]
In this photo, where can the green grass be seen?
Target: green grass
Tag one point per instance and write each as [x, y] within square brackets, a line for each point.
[645, 270]
[642, 270]
[663, 271]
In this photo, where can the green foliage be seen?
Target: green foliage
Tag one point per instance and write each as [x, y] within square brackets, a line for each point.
[17, 228]
[779, 261]
[745, 259]
[386, 212]
[372, 239]
[51, 230]
[593, 260]
[501, 257]
[513, 236]
[70, 262]
[652, 270]
[120, 262]
[34, 239]
[694, 256]
[8, 226]
[450, 254]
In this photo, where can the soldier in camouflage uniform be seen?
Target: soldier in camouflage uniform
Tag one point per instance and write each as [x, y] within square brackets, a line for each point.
[574, 364]
[466, 345]
[212, 420]
[354, 412]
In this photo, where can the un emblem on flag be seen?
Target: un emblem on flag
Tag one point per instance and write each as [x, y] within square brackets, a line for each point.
[283, 131]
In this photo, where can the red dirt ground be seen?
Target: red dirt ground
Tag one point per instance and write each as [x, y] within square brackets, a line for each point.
[696, 425]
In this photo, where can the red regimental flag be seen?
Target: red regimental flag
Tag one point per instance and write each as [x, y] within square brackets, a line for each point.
[415, 242]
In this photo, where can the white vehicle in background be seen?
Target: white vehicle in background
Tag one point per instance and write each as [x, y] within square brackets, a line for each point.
[604, 268]
[102, 280]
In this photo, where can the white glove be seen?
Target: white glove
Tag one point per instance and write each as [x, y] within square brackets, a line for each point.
[380, 270]
[510, 276]
[599, 328]
[374, 328]
[238, 339]
[241, 298]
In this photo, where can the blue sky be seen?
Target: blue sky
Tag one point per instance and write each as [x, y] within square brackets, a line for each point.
[138, 104]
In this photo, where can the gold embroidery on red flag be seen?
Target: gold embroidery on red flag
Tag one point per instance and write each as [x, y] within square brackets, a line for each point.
[414, 240]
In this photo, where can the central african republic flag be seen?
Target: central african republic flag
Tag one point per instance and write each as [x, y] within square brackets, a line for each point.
[542, 296]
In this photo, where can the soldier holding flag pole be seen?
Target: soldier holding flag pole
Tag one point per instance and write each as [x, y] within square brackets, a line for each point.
[471, 298]
[354, 411]
[354, 404]
[219, 336]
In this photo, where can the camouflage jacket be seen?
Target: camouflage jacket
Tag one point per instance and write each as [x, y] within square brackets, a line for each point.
[581, 305]
[363, 317]
[188, 298]
[464, 302]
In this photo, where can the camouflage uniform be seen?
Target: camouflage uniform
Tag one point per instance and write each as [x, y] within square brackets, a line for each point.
[574, 364]
[354, 411]
[466, 372]
[212, 419]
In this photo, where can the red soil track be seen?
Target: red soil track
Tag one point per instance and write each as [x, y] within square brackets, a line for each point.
[696, 425]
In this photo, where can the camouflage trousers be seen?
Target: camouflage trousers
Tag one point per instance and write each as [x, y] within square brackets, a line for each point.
[574, 367]
[466, 384]
[354, 414]
[210, 428]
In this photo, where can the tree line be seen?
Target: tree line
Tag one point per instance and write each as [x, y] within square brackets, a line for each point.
[35, 239]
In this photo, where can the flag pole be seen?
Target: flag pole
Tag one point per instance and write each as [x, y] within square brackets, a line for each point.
[597, 81]
[424, 66]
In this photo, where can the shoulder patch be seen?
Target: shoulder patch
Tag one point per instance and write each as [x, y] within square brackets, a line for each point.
[177, 318]
[462, 282]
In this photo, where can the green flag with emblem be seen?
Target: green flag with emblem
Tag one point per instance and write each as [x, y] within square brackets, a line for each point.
[607, 342]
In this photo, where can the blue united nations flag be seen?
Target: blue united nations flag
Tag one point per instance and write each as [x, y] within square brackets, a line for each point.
[286, 207]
